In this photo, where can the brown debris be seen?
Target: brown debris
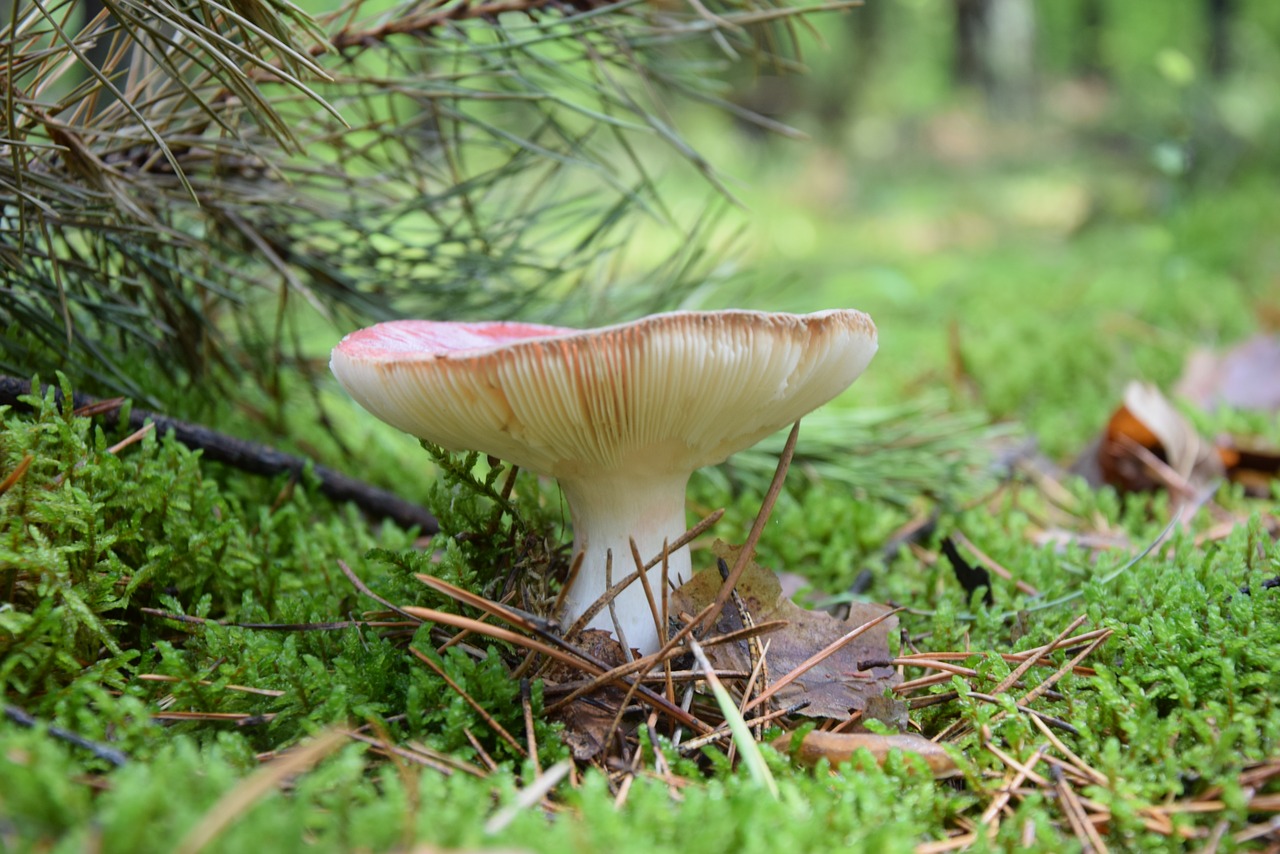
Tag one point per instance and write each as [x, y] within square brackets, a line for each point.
[588, 719]
[834, 687]
[837, 747]
[1148, 445]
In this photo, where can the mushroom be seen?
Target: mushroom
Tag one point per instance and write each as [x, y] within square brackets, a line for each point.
[620, 416]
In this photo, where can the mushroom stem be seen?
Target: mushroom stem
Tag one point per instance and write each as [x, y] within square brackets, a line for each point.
[608, 512]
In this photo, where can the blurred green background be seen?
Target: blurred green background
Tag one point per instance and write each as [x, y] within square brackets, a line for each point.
[1070, 196]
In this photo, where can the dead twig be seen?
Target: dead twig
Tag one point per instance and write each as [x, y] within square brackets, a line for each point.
[102, 751]
[251, 457]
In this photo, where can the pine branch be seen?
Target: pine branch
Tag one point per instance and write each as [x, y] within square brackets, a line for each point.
[185, 188]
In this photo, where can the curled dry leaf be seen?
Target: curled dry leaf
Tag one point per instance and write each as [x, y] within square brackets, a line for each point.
[837, 747]
[834, 687]
[1147, 431]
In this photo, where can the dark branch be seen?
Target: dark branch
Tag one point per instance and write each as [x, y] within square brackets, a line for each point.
[247, 456]
[109, 754]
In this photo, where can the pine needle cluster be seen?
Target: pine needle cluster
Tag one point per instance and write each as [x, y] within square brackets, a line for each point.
[190, 190]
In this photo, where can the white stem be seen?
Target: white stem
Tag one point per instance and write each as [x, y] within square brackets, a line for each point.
[607, 514]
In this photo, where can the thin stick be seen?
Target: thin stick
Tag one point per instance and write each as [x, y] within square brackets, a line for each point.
[529, 795]
[1036, 655]
[640, 665]
[1062, 671]
[659, 617]
[617, 718]
[531, 738]
[1026, 710]
[712, 613]
[241, 718]
[666, 613]
[687, 537]
[246, 456]
[759, 678]
[618, 634]
[648, 588]
[721, 731]
[1083, 767]
[1083, 828]
[364, 589]
[16, 474]
[479, 749]
[244, 689]
[1022, 772]
[430, 615]
[133, 438]
[577, 660]
[942, 846]
[960, 726]
[256, 786]
[648, 662]
[507, 613]
[102, 751]
[417, 757]
[574, 569]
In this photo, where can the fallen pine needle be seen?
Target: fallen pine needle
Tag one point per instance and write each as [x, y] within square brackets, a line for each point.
[529, 796]
[256, 786]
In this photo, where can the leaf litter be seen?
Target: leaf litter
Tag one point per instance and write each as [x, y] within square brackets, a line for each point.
[1149, 445]
[832, 688]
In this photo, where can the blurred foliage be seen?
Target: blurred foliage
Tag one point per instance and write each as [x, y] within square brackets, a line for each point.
[1197, 76]
[216, 187]
[1026, 265]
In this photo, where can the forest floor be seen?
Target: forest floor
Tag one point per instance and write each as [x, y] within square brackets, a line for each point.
[188, 662]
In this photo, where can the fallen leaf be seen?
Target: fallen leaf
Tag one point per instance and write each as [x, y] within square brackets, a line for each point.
[1254, 468]
[1246, 376]
[836, 686]
[1148, 444]
[887, 710]
[587, 720]
[837, 747]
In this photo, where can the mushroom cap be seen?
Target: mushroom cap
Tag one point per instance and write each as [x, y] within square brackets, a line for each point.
[670, 392]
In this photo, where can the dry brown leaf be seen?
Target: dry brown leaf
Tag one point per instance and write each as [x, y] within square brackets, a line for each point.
[1254, 468]
[837, 747]
[1148, 431]
[587, 720]
[835, 687]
